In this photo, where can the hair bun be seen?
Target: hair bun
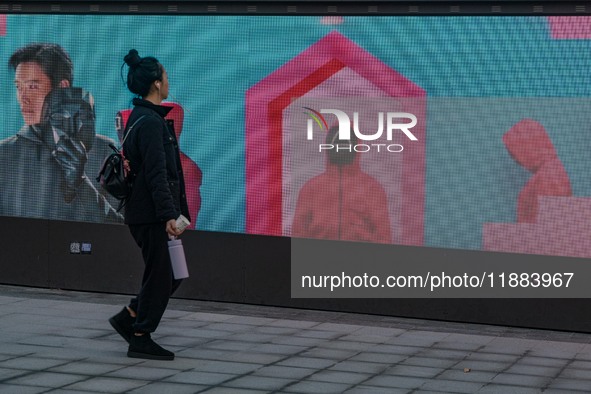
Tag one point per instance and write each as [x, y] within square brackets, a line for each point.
[132, 59]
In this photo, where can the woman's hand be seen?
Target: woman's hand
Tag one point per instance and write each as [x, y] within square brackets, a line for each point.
[171, 228]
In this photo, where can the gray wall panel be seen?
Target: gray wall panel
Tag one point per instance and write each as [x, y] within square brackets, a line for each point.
[243, 269]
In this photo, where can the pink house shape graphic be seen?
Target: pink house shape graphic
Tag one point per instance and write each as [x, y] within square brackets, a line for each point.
[266, 101]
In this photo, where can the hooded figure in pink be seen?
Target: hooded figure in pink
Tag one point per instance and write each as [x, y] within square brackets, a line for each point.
[343, 203]
[529, 145]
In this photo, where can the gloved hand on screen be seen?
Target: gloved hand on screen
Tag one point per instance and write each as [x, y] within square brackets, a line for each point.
[68, 116]
[71, 156]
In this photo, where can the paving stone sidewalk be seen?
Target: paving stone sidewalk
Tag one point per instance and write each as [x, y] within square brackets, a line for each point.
[54, 341]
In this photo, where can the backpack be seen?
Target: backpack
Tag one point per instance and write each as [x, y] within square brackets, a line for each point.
[114, 177]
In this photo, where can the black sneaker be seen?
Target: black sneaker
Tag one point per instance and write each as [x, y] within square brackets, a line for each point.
[144, 347]
[123, 324]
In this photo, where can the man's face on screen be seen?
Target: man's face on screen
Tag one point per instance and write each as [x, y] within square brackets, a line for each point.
[32, 85]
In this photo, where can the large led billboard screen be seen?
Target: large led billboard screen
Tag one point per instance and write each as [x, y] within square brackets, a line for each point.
[449, 132]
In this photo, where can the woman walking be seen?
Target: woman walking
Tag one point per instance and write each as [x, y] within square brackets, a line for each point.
[157, 200]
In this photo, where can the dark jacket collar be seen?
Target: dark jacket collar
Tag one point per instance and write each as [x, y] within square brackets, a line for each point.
[161, 110]
[29, 133]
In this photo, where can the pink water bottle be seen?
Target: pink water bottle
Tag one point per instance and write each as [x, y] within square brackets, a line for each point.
[177, 259]
[177, 253]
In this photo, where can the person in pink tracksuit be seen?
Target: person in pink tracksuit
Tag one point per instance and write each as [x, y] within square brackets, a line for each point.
[529, 145]
[343, 203]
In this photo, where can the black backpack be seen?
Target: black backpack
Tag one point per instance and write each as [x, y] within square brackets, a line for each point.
[113, 177]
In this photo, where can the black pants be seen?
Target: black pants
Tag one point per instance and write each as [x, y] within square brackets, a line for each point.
[158, 283]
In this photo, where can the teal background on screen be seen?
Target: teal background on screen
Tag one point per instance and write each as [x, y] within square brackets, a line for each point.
[213, 60]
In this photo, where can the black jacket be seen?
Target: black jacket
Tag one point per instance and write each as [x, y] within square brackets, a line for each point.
[158, 193]
[32, 184]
